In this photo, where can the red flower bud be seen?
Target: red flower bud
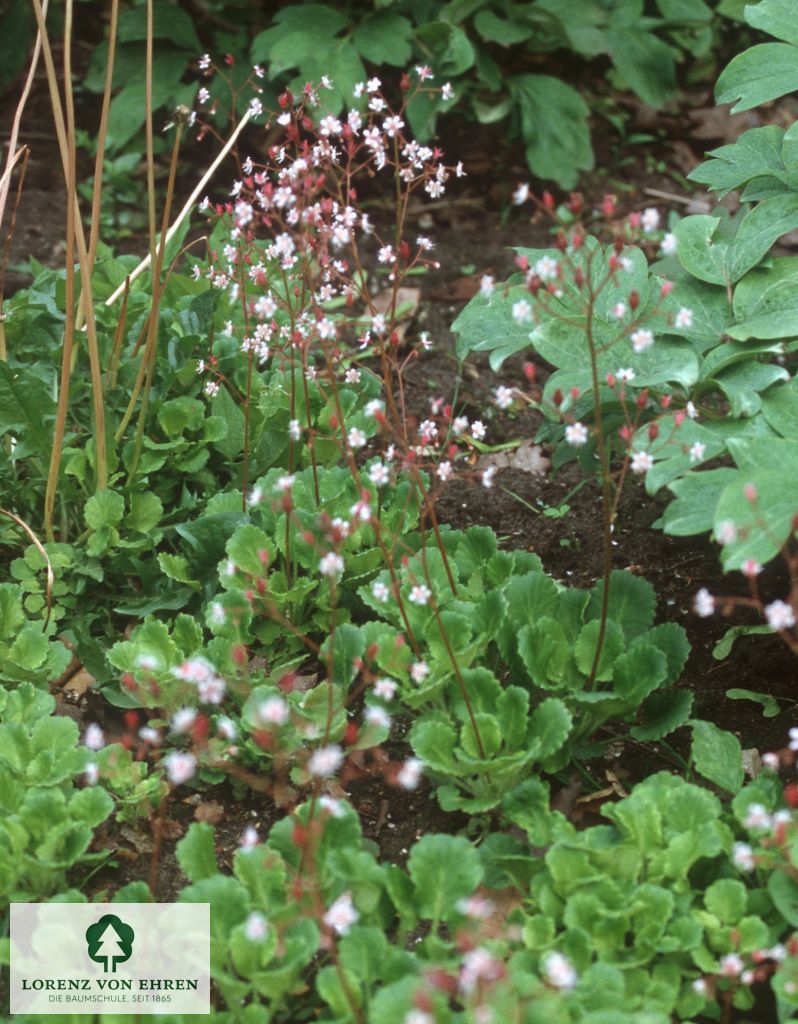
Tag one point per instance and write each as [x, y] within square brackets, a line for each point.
[557, 397]
[350, 734]
[653, 431]
[548, 200]
[611, 379]
[404, 82]
[666, 289]
[239, 654]
[575, 203]
[530, 371]
[634, 299]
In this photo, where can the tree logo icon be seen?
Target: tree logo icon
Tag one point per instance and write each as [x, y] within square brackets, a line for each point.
[110, 942]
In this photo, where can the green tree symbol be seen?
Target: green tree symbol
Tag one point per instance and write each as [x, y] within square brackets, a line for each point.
[110, 942]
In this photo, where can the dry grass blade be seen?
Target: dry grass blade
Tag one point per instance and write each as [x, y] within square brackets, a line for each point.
[43, 552]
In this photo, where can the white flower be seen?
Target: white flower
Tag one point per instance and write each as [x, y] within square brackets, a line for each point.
[180, 767]
[684, 318]
[618, 310]
[650, 219]
[522, 311]
[385, 688]
[780, 615]
[691, 411]
[487, 477]
[255, 496]
[420, 594]
[385, 255]
[772, 761]
[699, 986]
[91, 773]
[626, 374]
[249, 838]
[331, 564]
[576, 434]
[409, 775]
[380, 591]
[294, 430]
[521, 194]
[487, 285]
[668, 244]
[149, 735]
[559, 971]
[703, 603]
[546, 268]
[743, 857]
[417, 1017]
[419, 671]
[697, 451]
[335, 808]
[272, 711]
[503, 397]
[256, 927]
[226, 728]
[478, 430]
[444, 471]
[641, 339]
[641, 462]
[341, 915]
[377, 716]
[356, 438]
[757, 816]
[379, 474]
[326, 761]
[184, 719]
[726, 532]
[731, 965]
[478, 964]
[94, 738]
[212, 389]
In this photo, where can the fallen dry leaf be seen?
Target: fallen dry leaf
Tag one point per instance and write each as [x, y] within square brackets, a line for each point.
[81, 681]
[209, 811]
[407, 300]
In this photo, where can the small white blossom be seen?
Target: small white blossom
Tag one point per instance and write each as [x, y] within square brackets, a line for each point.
[478, 430]
[641, 339]
[249, 838]
[335, 808]
[576, 434]
[731, 965]
[94, 738]
[559, 971]
[326, 761]
[503, 396]
[444, 471]
[180, 767]
[91, 773]
[625, 374]
[668, 244]
[487, 477]
[641, 462]
[697, 451]
[341, 915]
[757, 817]
[419, 671]
[356, 438]
[377, 716]
[272, 711]
[420, 594]
[256, 928]
[379, 474]
[331, 564]
[385, 688]
[650, 219]
[743, 857]
[522, 311]
[183, 720]
[521, 194]
[684, 318]
[780, 615]
[409, 775]
[380, 591]
[487, 285]
[704, 603]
